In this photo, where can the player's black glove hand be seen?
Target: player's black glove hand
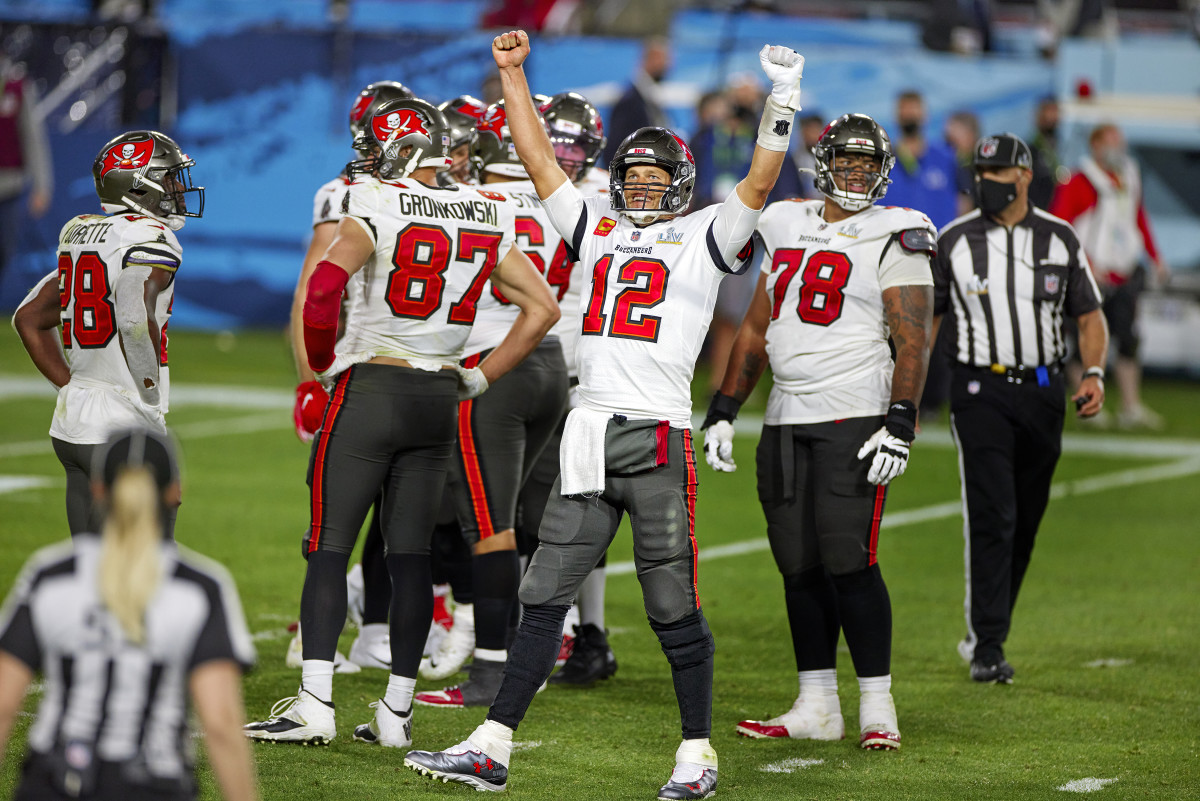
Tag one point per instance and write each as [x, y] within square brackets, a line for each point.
[718, 433]
[890, 444]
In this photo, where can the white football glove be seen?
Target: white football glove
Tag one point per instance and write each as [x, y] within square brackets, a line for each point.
[785, 67]
[891, 456]
[718, 446]
[471, 382]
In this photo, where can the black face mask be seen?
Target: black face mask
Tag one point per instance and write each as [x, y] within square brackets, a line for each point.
[994, 197]
[910, 127]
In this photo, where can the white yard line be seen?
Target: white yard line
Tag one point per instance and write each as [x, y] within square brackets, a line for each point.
[1088, 785]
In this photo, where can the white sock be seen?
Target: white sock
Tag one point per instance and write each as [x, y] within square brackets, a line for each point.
[818, 684]
[875, 684]
[493, 739]
[491, 655]
[316, 677]
[591, 599]
[399, 693]
[464, 615]
[441, 590]
[697, 752]
[373, 632]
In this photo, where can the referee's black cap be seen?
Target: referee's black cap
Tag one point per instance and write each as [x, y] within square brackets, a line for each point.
[137, 447]
[1003, 150]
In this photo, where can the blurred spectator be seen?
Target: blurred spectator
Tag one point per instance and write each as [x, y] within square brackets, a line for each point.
[962, 132]
[1063, 18]
[490, 91]
[958, 26]
[1104, 202]
[811, 127]
[24, 157]
[723, 150]
[551, 16]
[640, 105]
[1048, 170]
[924, 175]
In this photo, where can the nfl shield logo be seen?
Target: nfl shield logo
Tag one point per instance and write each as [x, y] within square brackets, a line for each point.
[636, 235]
[988, 147]
[973, 387]
[1051, 283]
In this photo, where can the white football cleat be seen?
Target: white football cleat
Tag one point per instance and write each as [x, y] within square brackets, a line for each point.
[878, 728]
[294, 658]
[454, 651]
[388, 728]
[372, 648]
[808, 719]
[303, 719]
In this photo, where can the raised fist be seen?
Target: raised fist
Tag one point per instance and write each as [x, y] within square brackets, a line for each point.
[510, 49]
[785, 67]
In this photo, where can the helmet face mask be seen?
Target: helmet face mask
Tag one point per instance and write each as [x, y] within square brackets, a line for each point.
[146, 172]
[577, 132]
[404, 136]
[660, 148]
[839, 154]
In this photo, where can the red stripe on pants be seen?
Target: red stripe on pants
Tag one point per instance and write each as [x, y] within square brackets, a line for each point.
[876, 517]
[470, 457]
[318, 483]
[689, 458]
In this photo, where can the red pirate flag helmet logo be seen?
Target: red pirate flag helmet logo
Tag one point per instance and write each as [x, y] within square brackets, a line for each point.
[360, 107]
[399, 123]
[128, 156]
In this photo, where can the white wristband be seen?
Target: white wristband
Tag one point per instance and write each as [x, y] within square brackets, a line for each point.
[1094, 372]
[775, 130]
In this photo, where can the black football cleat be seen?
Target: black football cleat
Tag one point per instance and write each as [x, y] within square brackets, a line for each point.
[998, 672]
[590, 661]
[463, 763]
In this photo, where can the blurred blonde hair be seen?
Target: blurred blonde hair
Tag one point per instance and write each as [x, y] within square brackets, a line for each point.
[130, 564]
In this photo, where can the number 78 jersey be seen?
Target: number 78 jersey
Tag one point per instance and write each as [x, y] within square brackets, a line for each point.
[827, 339]
[435, 248]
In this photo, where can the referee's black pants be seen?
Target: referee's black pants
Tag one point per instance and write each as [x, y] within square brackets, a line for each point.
[1009, 438]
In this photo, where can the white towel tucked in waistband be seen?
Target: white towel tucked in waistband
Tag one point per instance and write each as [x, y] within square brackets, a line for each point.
[581, 456]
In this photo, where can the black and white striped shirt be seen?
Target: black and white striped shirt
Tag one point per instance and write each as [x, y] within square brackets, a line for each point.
[1010, 287]
[124, 703]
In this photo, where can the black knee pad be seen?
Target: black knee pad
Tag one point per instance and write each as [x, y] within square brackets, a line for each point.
[686, 642]
[858, 580]
[805, 579]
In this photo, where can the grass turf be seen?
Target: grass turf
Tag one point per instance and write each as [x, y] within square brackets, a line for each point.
[1113, 578]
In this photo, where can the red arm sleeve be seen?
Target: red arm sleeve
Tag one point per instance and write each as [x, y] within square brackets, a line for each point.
[1147, 236]
[1073, 198]
[322, 306]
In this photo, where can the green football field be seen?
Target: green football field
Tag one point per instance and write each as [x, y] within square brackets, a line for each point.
[1106, 639]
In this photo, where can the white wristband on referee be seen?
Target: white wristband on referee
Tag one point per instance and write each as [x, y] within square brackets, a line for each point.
[1094, 372]
[775, 130]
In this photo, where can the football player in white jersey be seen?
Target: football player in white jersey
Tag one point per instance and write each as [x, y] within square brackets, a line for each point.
[627, 446]
[426, 252]
[502, 433]
[371, 589]
[112, 299]
[840, 276]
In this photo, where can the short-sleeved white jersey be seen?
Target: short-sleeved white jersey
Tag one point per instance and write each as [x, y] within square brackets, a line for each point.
[327, 203]
[646, 303]
[536, 237]
[827, 340]
[434, 250]
[93, 250]
[567, 327]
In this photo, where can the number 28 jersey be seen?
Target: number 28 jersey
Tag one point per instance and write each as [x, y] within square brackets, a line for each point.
[647, 300]
[93, 251]
[435, 248]
[827, 339]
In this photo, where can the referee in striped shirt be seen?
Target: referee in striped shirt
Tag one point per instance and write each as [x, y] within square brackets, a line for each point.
[125, 627]
[1011, 272]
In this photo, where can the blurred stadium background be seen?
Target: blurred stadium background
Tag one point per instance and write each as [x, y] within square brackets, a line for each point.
[258, 93]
